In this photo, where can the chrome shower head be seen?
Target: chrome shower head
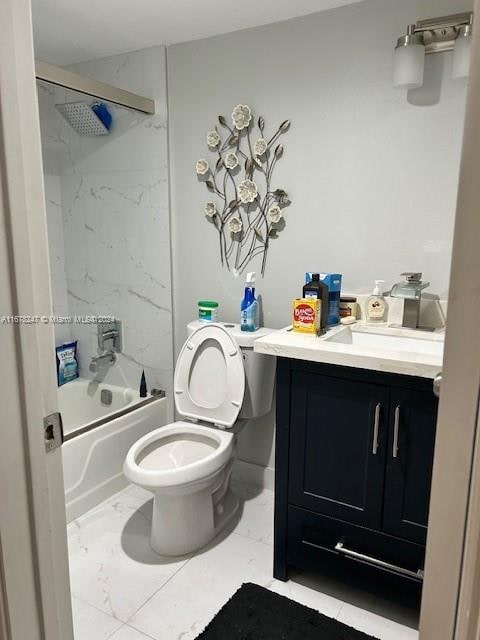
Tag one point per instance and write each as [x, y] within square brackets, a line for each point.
[82, 118]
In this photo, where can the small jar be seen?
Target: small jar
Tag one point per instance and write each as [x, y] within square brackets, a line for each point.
[208, 311]
[348, 307]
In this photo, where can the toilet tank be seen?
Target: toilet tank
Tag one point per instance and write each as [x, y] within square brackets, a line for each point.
[259, 369]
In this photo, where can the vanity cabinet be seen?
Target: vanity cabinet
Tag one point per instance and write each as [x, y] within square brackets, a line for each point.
[335, 467]
[354, 455]
[408, 474]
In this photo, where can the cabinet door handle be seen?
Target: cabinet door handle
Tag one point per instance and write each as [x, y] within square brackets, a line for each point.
[377, 562]
[396, 428]
[376, 427]
[437, 383]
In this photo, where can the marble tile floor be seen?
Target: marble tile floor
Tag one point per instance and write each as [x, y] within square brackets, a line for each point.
[121, 590]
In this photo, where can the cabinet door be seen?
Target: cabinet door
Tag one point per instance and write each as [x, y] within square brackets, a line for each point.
[337, 447]
[413, 417]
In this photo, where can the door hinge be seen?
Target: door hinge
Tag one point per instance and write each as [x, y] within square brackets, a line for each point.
[53, 431]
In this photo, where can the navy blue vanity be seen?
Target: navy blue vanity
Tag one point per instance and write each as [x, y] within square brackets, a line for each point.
[354, 456]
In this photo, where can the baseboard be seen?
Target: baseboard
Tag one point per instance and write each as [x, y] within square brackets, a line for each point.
[249, 473]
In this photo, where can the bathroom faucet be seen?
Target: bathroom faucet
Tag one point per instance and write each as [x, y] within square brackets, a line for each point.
[411, 292]
[109, 336]
[97, 361]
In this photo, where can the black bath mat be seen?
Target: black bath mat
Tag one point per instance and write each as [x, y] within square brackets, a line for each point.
[255, 613]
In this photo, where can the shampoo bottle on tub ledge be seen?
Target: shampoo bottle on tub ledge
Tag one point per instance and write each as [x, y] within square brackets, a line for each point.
[249, 312]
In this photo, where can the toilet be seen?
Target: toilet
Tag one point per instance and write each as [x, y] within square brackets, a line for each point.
[219, 384]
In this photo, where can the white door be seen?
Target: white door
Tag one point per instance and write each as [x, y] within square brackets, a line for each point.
[452, 580]
[34, 581]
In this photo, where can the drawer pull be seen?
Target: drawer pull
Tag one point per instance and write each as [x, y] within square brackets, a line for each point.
[379, 563]
[396, 428]
[376, 426]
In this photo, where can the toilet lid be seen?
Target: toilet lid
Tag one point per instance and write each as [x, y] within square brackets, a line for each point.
[209, 380]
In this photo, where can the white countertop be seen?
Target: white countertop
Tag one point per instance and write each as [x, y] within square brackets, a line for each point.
[391, 359]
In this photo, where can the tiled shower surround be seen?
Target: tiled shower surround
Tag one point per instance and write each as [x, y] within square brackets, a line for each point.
[108, 217]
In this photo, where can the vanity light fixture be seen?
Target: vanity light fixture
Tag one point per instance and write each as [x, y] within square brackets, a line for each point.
[434, 35]
[409, 60]
[461, 53]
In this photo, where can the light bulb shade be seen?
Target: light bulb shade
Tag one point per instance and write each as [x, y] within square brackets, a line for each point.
[408, 66]
[461, 57]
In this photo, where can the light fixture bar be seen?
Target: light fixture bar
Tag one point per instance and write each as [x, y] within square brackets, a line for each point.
[455, 20]
[94, 88]
[439, 34]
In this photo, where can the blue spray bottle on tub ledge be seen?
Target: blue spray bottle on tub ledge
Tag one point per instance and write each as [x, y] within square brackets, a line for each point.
[249, 316]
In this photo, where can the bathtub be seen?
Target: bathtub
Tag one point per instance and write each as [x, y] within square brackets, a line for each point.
[99, 429]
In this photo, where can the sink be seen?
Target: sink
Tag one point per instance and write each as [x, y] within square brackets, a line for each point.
[387, 348]
[390, 339]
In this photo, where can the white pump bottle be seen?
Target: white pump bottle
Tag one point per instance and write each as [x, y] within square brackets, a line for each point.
[376, 304]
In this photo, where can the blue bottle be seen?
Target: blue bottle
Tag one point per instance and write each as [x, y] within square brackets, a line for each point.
[100, 109]
[249, 317]
[334, 283]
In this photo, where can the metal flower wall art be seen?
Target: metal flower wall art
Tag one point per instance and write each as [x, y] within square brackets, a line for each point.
[244, 209]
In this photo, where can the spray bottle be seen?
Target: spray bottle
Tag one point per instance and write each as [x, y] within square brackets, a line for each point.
[249, 317]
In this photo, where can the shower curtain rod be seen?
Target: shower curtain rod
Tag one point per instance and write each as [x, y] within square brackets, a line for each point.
[76, 82]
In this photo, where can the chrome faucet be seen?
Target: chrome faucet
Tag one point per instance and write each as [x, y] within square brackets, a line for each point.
[97, 361]
[411, 292]
[109, 335]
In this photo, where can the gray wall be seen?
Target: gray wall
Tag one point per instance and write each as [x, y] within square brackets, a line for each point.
[371, 171]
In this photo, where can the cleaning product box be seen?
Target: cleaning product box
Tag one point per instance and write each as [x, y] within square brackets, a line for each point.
[334, 284]
[67, 363]
[306, 315]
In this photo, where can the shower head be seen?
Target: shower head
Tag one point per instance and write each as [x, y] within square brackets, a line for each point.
[82, 118]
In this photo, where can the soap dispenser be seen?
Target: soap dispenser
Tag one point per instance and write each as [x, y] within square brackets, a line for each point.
[376, 304]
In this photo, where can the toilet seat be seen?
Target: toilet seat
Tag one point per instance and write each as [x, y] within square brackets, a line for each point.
[209, 380]
[183, 453]
[217, 449]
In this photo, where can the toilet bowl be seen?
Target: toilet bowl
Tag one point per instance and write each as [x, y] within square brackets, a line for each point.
[187, 465]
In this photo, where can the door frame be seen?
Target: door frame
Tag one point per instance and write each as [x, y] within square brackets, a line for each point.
[34, 581]
[451, 590]
[34, 588]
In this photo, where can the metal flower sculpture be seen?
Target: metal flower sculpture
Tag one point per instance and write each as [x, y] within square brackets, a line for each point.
[247, 213]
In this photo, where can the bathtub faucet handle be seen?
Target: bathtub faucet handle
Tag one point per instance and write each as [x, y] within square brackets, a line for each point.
[109, 335]
[97, 361]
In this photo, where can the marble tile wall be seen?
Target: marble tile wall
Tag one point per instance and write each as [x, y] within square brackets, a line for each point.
[113, 194]
[50, 129]
[63, 332]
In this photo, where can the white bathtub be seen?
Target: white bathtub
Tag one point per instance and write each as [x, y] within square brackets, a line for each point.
[98, 436]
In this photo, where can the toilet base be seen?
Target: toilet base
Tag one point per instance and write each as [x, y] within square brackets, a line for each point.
[182, 524]
[228, 510]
